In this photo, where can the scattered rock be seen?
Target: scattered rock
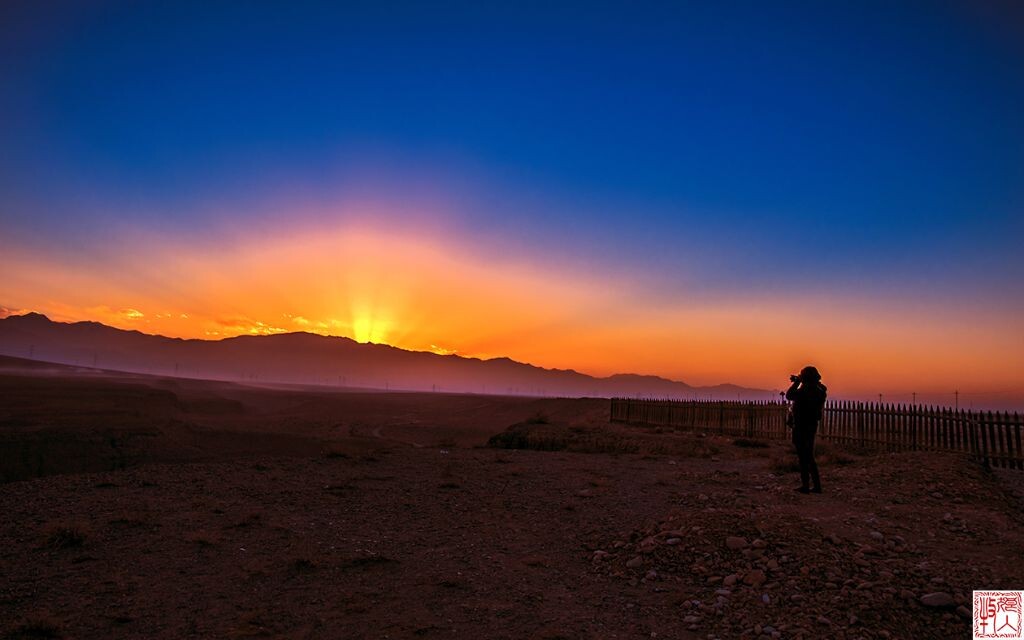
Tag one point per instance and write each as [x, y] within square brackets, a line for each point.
[736, 543]
[634, 562]
[754, 578]
[938, 600]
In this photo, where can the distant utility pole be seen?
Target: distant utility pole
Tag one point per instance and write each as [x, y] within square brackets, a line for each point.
[956, 399]
[879, 398]
[914, 394]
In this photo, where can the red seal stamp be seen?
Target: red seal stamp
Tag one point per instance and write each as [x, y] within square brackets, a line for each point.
[997, 614]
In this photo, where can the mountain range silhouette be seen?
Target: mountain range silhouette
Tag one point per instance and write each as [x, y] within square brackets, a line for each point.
[313, 359]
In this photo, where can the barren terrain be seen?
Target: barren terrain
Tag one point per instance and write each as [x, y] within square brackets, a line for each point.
[139, 507]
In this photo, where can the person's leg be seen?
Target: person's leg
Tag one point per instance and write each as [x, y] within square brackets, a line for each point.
[800, 441]
[812, 464]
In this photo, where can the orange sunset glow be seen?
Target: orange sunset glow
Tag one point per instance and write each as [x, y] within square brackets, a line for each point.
[432, 291]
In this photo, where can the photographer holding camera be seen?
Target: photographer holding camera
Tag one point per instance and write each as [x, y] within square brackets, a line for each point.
[808, 397]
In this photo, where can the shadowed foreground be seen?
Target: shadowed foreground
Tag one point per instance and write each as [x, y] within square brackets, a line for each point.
[366, 535]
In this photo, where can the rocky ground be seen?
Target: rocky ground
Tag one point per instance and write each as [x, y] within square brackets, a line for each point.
[892, 550]
[681, 536]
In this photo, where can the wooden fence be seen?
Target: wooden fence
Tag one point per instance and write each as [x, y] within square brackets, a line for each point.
[992, 438]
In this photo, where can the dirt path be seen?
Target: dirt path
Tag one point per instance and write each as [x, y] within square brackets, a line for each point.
[376, 433]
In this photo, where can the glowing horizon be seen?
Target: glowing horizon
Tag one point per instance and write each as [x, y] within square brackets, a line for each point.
[446, 291]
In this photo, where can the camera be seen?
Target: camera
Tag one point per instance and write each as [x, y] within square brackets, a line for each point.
[794, 378]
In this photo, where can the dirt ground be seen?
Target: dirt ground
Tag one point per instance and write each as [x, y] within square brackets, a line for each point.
[153, 508]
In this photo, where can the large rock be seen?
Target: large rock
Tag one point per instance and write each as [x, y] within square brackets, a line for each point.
[736, 543]
[938, 600]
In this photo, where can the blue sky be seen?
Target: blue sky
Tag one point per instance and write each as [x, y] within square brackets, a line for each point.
[894, 127]
[875, 148]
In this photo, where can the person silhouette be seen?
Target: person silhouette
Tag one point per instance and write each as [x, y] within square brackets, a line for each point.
[808, 397]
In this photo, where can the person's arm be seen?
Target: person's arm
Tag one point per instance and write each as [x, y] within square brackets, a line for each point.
[793, 391]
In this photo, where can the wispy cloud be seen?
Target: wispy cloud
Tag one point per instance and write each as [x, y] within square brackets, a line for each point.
[6, 312]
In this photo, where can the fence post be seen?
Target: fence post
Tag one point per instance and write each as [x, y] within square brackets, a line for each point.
[1020, 452]
[994, 444]
[984, 439]
[860, 424]
[913, 428]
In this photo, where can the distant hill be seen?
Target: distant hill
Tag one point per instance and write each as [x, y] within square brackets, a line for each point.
[306, 358]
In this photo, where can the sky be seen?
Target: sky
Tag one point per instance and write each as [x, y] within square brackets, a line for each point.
[709, 192]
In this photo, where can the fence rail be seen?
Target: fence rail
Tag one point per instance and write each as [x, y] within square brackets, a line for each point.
[993, 438]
